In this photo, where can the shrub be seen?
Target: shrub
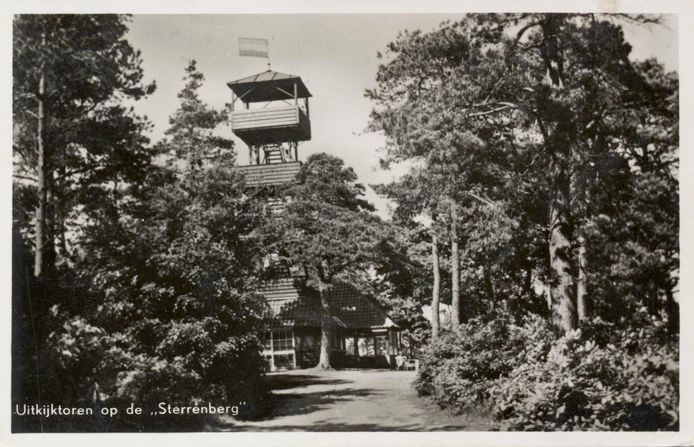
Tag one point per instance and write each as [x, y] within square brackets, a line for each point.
[457, 370]
[595, 378]
[599, 377]
[192, 366]
[177, 319]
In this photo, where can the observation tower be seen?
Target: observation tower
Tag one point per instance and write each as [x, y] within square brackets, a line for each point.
[270, 113]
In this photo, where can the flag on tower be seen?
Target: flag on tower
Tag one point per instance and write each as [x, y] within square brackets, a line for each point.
[253, 47]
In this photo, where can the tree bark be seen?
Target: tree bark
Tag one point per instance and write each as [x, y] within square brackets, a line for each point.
[672, 308]
[436, 286]
[652, 298]
[455, 268]
[582, 280]
[41, 171]
[325, 330]
[547, 291]
[49, 253]
[561, 280]
[60, 217]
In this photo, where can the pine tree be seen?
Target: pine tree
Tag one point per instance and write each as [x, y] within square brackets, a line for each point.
[328, 230]
[73, 136]
[175, 274]
[499, 105]
[191, 135]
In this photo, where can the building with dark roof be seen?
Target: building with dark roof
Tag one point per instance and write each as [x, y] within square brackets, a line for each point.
[362, 333]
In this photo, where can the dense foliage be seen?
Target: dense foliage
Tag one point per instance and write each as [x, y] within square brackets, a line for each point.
[543, 173]
[549, 163]
[151, 297]
[459, 368]
[169, 313]
[74, 131]
[181, 320]
[596, 378]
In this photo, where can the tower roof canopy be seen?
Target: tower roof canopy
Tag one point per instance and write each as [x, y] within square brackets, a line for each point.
[268, 86]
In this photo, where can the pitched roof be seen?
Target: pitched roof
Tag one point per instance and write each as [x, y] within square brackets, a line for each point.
[271, 174]
[292, 304]
[268, 86]
[357, 310]
[291, 307]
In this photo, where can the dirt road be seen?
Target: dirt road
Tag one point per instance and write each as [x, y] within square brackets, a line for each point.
[352, 400]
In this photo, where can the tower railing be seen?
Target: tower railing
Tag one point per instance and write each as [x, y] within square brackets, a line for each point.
[288, 116]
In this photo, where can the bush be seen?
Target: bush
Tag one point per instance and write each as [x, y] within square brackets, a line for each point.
[192, 366]
[595, 378]
[174, 278]
[458, 369]
[599, 377]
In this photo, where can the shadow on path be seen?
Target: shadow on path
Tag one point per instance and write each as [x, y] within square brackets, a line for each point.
[349, 400]
[309, 402]
[287, 381]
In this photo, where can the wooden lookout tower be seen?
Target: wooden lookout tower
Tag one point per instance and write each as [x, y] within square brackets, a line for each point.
[269, 112]
[272, 117]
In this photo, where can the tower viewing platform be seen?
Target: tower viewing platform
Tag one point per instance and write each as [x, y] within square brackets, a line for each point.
[274, 109]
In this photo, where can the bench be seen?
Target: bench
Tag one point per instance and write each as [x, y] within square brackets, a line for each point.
[406, 364]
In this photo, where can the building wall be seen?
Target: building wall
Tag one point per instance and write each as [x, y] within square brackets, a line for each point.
[299, 348]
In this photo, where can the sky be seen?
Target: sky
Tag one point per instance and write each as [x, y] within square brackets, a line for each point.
[335, 55]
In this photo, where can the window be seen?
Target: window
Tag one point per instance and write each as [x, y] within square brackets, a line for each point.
[381, 344]
[366, 346]
[279, 349]
[282, 340]
[350, 347]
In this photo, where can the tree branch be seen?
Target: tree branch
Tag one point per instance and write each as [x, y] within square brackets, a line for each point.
[519, 34]
[493, 111]
[23, 177]
[483, 200]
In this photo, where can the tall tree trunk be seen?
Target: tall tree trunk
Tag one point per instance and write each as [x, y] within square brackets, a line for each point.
[60, 218]
[455, 268]
[652, 297]
[561, 280]
[672, 308]
[325, 330]
[41, 174]
[582, 280]
[562, 284]
[436, 286]
[547, 292]
[49, 251]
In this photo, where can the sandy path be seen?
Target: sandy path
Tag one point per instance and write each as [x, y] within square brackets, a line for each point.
[352, 400]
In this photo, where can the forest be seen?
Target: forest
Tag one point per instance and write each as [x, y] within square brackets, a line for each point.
[538, 219]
